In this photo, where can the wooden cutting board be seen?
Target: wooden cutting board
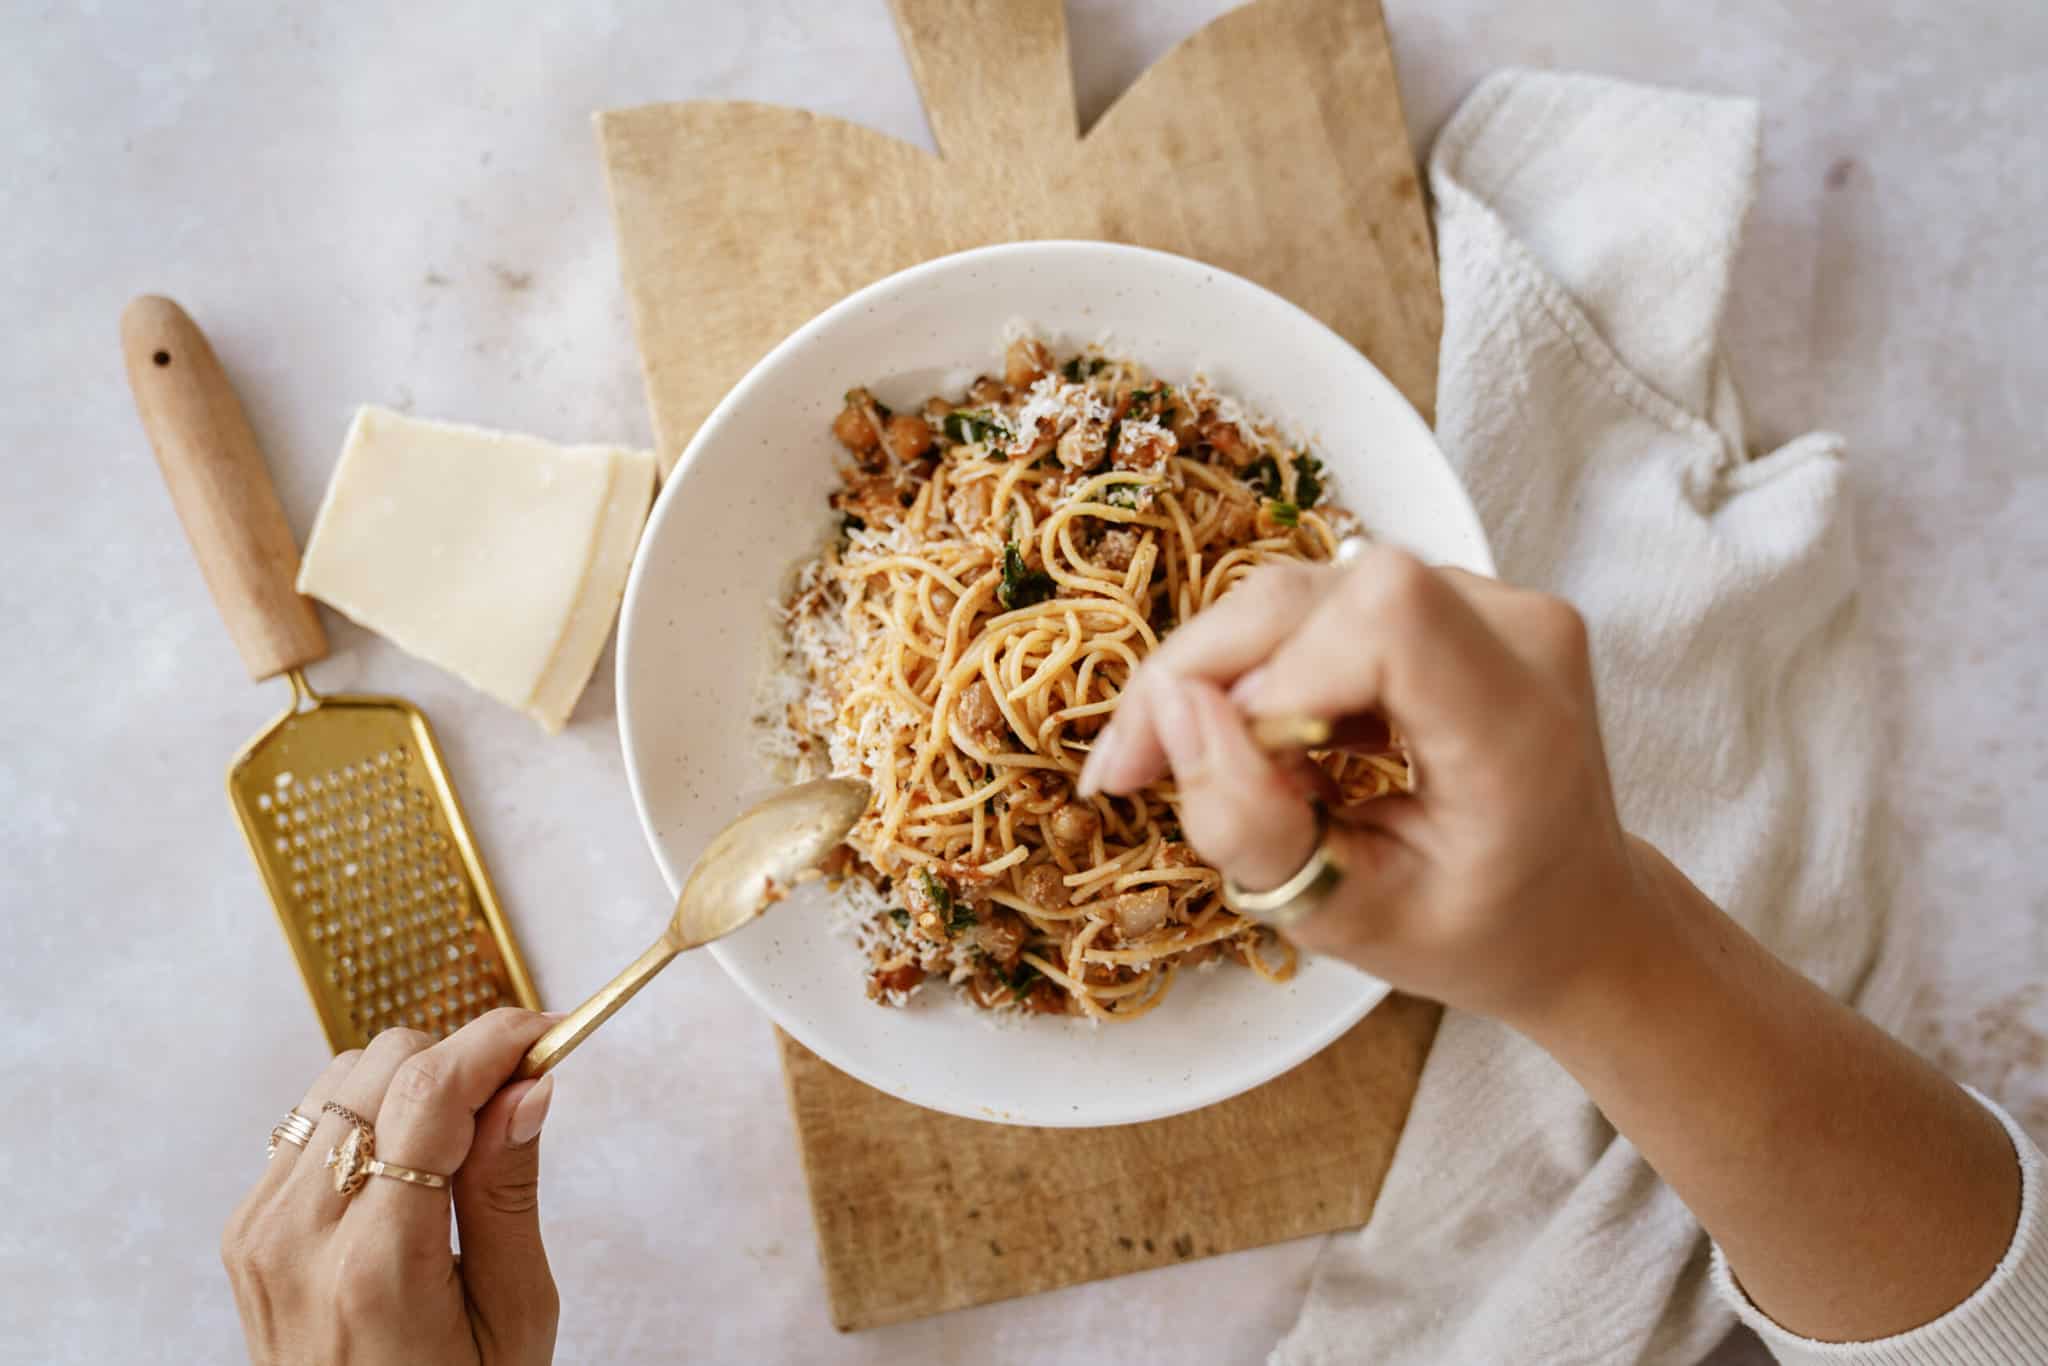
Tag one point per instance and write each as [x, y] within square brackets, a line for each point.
[1271, 144]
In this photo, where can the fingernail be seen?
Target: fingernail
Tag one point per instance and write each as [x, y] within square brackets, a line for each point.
[1180, 730]
[530, 1113]
[1100, 757]
[554, 1014]
[1248, 688]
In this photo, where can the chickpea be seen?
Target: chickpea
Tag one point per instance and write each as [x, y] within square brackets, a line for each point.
[1045, 887]
[854, 430]
[1025, 362]
[1083, 445]
[908, 436]
[1073, 824]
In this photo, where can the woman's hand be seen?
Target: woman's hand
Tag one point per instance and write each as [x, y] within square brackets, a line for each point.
[1856, 1191]
[1500, 879]
[324, 1278]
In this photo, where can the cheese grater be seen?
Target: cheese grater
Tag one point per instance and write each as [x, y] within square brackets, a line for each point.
[345, 800]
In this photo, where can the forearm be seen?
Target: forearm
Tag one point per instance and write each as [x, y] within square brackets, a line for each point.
[1856, 1191]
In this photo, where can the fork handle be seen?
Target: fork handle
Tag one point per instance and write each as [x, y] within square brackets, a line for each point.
[220, 486]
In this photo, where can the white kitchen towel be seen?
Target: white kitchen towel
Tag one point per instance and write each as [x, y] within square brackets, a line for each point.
[1587, 230]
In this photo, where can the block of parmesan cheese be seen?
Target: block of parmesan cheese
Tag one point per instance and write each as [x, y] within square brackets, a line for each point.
[500, 558]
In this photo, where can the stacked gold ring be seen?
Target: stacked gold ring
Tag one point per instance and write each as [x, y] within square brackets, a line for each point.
[294, 1129]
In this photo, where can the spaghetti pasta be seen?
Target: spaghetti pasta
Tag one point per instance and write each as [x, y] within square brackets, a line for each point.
[1004, 564]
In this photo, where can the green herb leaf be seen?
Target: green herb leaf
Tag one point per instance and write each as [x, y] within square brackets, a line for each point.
[1286, 514]
[849, 522]
[900, 916]
[1263, 475]
[1021, 980]
[1308, 480]
[1143, 400]
[958, 915]
[1072, 370]
[1122, 495]
[1022, 587]
[965, 426]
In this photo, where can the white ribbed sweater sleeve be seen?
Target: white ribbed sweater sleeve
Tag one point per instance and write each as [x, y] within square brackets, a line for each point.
[2005, 1320]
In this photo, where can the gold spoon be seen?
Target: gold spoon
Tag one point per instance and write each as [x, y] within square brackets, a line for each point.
[753, 863]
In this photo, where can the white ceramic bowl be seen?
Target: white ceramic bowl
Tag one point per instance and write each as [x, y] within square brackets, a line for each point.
[748, 501]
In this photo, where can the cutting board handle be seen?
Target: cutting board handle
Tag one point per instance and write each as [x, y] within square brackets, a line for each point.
[221, 487]
[997, 84]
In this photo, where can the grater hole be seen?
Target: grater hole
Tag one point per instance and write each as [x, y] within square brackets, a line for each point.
[385, 894]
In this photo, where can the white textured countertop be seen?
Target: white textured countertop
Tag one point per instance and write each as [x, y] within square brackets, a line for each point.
[402, 204]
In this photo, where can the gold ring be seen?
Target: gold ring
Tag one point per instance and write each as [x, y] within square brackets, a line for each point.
[294, 1129]
[355, 1159]
[1294, 900]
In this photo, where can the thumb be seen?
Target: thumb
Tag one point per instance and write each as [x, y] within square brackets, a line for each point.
[497, 1215]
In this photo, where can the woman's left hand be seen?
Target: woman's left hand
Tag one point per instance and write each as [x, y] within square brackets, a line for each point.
[320, 1277]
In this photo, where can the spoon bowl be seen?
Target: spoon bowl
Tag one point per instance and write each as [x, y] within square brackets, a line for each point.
[754, 862]
[747, 867]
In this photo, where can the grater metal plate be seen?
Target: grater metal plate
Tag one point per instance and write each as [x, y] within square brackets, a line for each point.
[378, 885]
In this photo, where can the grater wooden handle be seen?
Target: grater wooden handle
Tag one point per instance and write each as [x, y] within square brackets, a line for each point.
[221, 487]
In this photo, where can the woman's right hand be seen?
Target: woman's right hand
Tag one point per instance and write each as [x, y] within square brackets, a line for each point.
[1856, 1191]
[1505, 876]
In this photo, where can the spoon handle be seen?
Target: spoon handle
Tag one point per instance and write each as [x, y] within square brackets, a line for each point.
[576, 1026]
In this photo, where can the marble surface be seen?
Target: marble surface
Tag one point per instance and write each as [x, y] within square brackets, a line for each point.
[402, 204]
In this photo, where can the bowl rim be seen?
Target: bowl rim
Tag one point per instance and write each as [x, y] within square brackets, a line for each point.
[1188, 1098]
